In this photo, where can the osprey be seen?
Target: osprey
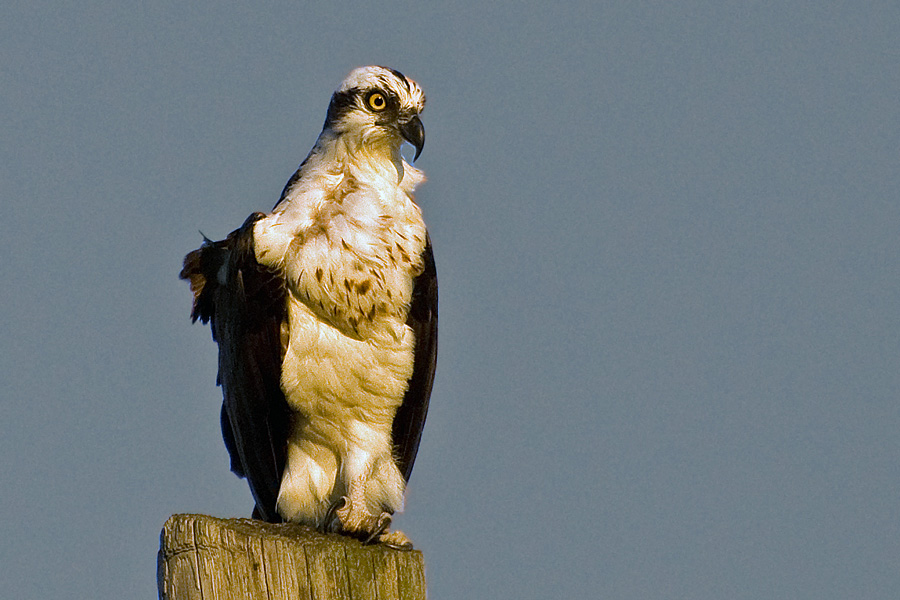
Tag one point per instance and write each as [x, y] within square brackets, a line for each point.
[325, 314]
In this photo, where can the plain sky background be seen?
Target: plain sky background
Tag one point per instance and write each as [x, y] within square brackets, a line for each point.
[667, 240]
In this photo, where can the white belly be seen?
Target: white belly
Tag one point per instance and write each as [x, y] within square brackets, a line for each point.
[344, 392]
[349, 260]
[330, 375]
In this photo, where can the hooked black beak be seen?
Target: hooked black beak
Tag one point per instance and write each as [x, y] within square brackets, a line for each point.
[414, 133]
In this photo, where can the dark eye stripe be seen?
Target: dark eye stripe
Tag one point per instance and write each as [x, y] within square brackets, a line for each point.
[346, 101]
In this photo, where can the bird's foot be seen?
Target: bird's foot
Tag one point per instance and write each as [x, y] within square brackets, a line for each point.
[392, 539]
[364, 526]
[381, 526]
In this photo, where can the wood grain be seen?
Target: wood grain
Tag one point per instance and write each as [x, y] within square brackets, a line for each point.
[202, 558]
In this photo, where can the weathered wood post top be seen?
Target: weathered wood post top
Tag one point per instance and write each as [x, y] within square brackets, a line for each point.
[202, 557]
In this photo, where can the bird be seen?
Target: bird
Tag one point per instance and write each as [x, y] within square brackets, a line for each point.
[325, 315]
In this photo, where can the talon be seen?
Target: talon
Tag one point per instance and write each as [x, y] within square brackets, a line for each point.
[396, 540]
[330, 515]
[384, 521]
[405, 547]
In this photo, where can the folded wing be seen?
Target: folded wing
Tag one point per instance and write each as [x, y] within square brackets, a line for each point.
[245, 304]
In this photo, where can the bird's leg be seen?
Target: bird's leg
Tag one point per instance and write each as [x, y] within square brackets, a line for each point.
[330, 515]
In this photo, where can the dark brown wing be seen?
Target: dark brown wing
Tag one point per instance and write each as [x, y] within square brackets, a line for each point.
[245, 304]
[423, 319]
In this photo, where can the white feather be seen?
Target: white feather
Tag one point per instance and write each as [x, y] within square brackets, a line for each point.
[348, 239]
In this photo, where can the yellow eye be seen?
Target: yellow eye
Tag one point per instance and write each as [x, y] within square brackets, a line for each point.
[376, 101]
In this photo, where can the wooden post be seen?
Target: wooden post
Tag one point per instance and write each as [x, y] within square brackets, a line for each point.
[202, 557]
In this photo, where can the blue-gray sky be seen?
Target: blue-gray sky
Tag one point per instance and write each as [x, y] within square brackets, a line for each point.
[667, 239]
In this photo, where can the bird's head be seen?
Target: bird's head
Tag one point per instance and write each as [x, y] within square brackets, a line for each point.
[378, 107]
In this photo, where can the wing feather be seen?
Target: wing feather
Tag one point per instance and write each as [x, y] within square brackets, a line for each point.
[245, 304]
[423, 319]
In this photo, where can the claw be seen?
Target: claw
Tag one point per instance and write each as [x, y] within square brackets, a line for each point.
[330, 515]
[384, 521]
[396, 540]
